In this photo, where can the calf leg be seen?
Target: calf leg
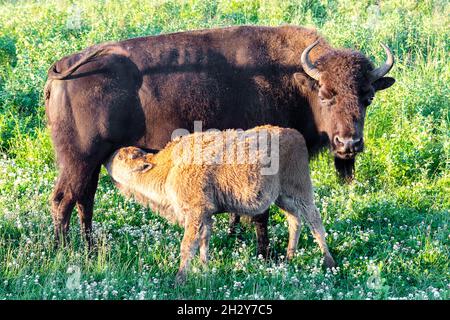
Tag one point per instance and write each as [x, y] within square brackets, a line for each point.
[85, 206]
[294, 223]
[189, 246]
[262, 236]
[205, 236]
[233, 222]
[295, 227]
[313, 219]
[294, 208]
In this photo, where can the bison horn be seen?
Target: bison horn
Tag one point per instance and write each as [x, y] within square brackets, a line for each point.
[309, 68]
[384, 69]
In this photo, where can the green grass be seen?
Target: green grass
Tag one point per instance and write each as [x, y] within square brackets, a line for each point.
[390, 227]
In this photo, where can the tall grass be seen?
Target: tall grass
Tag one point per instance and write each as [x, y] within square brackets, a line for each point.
[391, 225]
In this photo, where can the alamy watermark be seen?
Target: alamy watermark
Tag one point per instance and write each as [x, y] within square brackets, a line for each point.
[74, 21]
[375, 280]
[74, 280]
[234, 147]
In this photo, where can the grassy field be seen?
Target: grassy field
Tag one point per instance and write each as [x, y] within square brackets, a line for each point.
[389, 230]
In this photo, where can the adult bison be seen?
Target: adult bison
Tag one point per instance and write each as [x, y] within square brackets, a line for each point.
[138, 91]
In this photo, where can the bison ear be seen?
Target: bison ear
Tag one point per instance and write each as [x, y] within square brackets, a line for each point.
[383, 83]
[303, 81]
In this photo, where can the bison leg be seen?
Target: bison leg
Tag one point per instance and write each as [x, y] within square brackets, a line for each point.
[67, 191]
[261, 221]
[62, 203]
[189, 246]
[85, 206]
[75, 185]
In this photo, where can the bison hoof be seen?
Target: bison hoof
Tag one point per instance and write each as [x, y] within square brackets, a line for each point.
[61, 241]
[263, 253]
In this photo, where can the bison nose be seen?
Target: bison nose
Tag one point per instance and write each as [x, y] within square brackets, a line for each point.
[348, 145]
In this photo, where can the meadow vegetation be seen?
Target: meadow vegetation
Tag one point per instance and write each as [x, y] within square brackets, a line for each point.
[389, 230]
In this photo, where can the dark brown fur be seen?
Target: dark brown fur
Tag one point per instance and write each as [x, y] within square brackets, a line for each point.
[137, 91]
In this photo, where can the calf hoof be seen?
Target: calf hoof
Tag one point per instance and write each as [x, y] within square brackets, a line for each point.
[204, 261]
[290, 255]
[180, 278]
[232, 232]
[236, 234]
[329, 262]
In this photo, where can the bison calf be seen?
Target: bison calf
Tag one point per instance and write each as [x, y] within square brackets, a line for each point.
[202, 174]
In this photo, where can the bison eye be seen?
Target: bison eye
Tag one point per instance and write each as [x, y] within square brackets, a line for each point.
[327, 101]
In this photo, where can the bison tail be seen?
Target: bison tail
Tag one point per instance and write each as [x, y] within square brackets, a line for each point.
[53, 74]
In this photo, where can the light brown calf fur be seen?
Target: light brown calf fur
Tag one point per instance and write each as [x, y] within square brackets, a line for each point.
[190, 193]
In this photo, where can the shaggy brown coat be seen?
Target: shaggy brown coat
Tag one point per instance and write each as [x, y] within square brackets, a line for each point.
[190, 193]
[138, 91]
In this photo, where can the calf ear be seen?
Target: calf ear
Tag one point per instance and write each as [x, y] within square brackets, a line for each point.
[383, 83]
[303, 81]
[146, 166]
[143, 167]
